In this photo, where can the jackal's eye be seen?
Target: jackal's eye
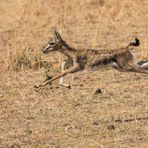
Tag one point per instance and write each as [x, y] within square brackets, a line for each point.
[51, 43]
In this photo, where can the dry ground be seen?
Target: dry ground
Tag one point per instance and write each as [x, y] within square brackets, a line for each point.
[59, 117]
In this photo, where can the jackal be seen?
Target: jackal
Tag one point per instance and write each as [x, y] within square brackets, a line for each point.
[90, 59]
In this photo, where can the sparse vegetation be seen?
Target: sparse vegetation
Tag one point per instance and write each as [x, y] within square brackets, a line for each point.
[56, 116]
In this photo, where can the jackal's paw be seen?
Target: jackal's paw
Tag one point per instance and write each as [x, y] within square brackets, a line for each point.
[69, 87]
[66, 85]
[47, 77]
[36, 86]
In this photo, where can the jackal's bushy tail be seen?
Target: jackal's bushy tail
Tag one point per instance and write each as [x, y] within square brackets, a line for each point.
[134, 43]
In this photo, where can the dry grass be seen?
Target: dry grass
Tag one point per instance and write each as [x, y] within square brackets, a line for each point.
[59, 117]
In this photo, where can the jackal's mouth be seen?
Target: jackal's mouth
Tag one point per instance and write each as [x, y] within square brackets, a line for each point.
[45, 51]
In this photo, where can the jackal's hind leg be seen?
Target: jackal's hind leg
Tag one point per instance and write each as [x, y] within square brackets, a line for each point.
[119, 68]
[136, 68]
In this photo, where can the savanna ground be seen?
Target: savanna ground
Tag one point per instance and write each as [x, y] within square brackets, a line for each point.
[60, 117]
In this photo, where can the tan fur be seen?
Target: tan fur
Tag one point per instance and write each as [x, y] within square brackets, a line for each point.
[89, 59]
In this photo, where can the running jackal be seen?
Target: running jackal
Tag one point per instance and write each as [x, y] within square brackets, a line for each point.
[89, 59]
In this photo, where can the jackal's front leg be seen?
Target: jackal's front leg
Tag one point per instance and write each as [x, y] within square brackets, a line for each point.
[61, 81]
[74, 69]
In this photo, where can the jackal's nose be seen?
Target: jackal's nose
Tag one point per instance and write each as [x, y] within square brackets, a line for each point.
[44, 51]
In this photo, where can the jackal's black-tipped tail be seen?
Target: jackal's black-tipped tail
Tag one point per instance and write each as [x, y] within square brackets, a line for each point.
[134, 43]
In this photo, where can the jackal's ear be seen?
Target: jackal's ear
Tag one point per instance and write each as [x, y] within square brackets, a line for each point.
[56, 33]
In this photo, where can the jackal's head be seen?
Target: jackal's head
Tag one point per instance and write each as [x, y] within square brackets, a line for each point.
[54, 44]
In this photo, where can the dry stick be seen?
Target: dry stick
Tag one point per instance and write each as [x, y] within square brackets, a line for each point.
[121, 139]
[144, 54]
[62, 15]
[8, 56]
[119, 14]
[61, 23]
[20, 9]
[84, 76]
[98, 26]
[121, 10]
[131, 119]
